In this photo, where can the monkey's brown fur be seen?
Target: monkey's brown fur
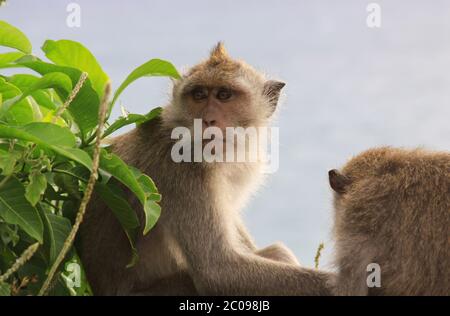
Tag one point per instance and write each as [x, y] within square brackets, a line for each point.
[392, 207]
[199, 245]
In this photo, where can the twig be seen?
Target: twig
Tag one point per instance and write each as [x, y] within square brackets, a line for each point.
[318, 254]
[26, 255]
[71, 96]
[87, 193]
[5, 179]
[50, 204]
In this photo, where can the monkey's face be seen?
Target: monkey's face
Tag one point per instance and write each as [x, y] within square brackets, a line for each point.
[222, 92]
[218, 104]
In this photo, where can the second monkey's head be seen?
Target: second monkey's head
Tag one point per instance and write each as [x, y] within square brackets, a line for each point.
[223, 92]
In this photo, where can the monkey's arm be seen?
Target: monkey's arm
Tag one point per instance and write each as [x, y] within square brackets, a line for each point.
[177, 284]
[278, 251]
[218, 268]
[245, 237]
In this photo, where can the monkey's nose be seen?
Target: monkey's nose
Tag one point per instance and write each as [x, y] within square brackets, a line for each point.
[209, 123]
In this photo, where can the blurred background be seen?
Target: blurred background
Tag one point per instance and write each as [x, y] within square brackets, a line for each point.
[349, 86]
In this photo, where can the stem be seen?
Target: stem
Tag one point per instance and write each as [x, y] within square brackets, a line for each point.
[50, 204]
[26, 255]
[318, 254]
[72, 96]
[92, 137]
[87, 194]
[70, 174]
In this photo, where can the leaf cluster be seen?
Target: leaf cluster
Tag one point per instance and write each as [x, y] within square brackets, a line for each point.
[48, 124]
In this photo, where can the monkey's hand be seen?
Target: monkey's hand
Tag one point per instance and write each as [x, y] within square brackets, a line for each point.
[278, 252]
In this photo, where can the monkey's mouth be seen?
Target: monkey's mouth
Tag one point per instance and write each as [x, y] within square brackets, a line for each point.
[214, 138]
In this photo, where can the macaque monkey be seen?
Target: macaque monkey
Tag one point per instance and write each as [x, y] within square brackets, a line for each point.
[392, 208]
[199, 244]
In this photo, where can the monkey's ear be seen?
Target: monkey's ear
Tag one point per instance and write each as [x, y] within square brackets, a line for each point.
[272, 89]
[338, 181]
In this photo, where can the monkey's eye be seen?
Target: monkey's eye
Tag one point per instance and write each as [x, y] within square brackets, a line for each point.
[224, 94]
[199, 93]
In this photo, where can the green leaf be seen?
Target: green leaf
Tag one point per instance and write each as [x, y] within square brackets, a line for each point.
[15, 209]
[57, 229]
[77, 172]
[84, 108]
[123, 121]
[73, 54]
[7, 256]
[73, 270]
[147, 184]
[69, 209]
[130, 119]
[47, 105]
[7, 164]
[22, 81]
[152, 212]
[50, 80]
[59, 287]
[43, 137]
[8, 161]
[5, 289]
[75, 154]
[45, 100]
[36, 187]
[14, 38]
[52, 134]
[51, 195]
[21, 112]
[8, 90]
[152, 68]
[112, 195]
[9, 234]
[25, 81]
[9, 57]
[67, 181]
[112, 164]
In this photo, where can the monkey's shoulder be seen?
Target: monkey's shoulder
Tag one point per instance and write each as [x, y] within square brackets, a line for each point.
[141, 143]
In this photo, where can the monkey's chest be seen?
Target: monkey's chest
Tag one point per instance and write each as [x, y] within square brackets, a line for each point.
[160, 255]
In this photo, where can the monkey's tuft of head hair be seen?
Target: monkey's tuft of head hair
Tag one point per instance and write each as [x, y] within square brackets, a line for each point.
[220, 62]
[218, 54]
